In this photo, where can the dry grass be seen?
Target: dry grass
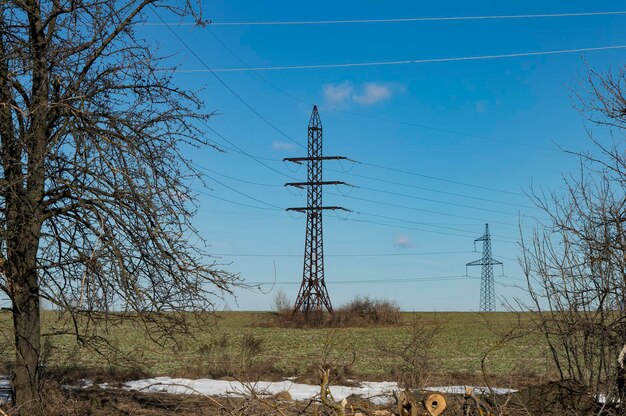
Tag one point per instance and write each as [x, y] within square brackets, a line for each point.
[247, 341]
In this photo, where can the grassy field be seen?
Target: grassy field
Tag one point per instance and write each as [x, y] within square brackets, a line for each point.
[248, 344]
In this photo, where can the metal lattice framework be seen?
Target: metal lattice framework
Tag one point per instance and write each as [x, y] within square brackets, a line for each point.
[313, 295]
[487, 289]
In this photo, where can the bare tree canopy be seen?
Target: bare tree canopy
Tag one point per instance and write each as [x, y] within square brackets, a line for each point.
[94, 188]
[576, 263]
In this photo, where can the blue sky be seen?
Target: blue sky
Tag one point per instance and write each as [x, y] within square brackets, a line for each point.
[512, 114]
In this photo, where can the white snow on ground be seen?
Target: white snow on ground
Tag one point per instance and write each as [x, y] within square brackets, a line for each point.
[5, 389]
[461, 390]
[377, 392]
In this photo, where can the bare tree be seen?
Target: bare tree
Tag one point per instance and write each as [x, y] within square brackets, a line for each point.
[576, 263]
[95, 198]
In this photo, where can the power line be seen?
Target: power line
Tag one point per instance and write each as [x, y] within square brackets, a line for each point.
[393, 20]
[428, 200]
[402, 62]
[433, 253]
[369, 214]
[441, 130]
[416, 229]
[250, 214]
[421, 175]
[376, 202]
[438, 191]
[368, 222]
[243, 152]
[220, 147]
[272, 207]
[367, 281]
[421, 223]
[245, 103]
[388, 192]
[373, 117]
[207, 68]
[235, 202]
[244, 63]
[244, 194]
[235, 179]
[225, 46]
[257, 158]
[236, 149]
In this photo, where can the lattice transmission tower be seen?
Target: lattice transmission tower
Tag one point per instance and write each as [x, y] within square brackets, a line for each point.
[313, 295]
[487, 289]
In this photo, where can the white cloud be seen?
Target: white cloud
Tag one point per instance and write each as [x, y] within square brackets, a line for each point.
[402, 241]
[372, 93]
[337, 94]
[366, 94]
[281, 146]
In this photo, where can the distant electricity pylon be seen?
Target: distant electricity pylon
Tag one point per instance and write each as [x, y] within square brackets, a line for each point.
[487, 290]
[313, 296]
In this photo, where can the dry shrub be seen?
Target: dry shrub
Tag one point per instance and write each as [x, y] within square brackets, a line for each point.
[337, 358]
[55, 402]
[367, 311]
[73, 373]
[413, 361]
[238, 357]
[282, 304]
[362, 311]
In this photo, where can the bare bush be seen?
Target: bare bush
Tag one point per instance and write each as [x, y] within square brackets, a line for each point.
[358, 312]
[575, 264]
[283, 306]
[238, 357]
[339, 360]
[364, 311]
[413, 357]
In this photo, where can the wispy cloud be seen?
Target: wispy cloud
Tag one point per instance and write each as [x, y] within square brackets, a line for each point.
[372, 93]
[338, 94]
[402, 241]
[282, 146]
[366, 94]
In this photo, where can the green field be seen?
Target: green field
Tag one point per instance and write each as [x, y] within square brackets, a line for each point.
[248, 344]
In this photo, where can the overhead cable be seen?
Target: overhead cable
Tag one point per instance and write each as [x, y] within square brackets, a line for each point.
[392, 20]
[401, 62]
[207, 68]
[370, 116]
[432, 253]
[407, 172]
[366, 281]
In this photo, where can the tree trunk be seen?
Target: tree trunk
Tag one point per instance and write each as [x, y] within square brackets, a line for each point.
[24, 213]
[26, 323]
[621, 378]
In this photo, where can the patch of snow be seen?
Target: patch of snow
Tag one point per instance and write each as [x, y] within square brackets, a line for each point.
[604, 398]
[377, 392]
[83, 383]
[476, 390]
[5, 389]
